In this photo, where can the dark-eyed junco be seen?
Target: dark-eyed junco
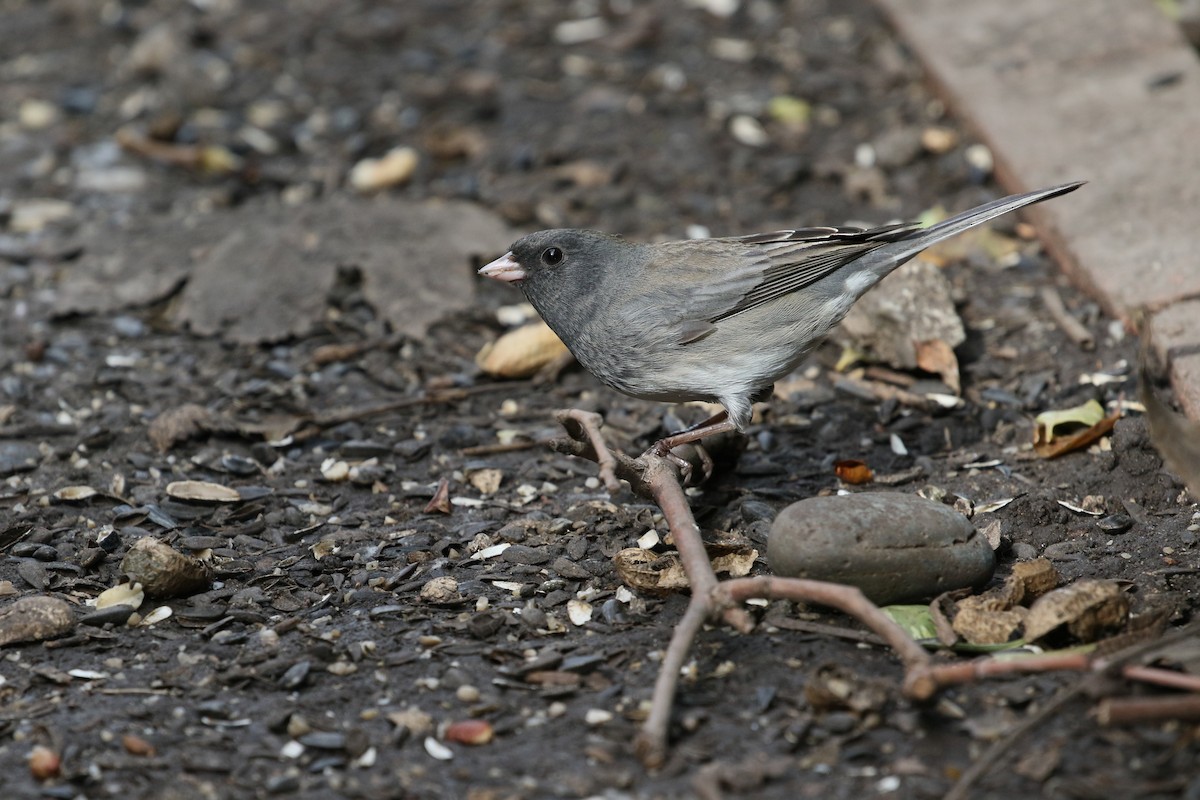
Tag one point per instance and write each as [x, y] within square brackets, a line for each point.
[713, 319]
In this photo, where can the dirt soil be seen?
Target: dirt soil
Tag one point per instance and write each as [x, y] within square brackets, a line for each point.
[319, 661]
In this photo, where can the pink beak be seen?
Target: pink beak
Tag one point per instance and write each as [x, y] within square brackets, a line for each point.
[505, 268]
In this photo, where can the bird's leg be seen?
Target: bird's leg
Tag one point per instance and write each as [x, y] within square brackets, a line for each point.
[718, 423]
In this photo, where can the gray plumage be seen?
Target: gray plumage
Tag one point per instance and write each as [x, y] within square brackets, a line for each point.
[713, 319]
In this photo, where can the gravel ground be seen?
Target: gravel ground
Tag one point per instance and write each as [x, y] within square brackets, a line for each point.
[217, 226]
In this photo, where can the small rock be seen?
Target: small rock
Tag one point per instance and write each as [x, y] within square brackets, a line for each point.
[578, 31]
[1115, 524]
[748, 131]
[894, 547]
[34, 618]
[441, 591]
[31, 216]
[392, 169]
[18, 457]
[37, 115]
[938, 140]
[162, 570]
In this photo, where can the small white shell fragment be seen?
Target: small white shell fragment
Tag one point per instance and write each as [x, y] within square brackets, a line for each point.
[123, 594]
[367, 759]
[945, 400]
[577, 31]
[579, 612]
[1080, 509]
[597, 716]
[739, 51]
[624, 594]
[649, 540]
[748, 131]
[898, 445]
[514, 315]
[993, 505]
[292, 749]
[334, 470]
[437, 750]
[87, 674]
[202, 491]
[980, 157]
[74, 494]
[157, 615]
[994, 462]
[938, 140]
[718, 8]
[491, 552]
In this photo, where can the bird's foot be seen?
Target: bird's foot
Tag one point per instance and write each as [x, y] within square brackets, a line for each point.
[694, 463]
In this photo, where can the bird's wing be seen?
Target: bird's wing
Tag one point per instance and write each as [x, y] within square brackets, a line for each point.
[734, 275]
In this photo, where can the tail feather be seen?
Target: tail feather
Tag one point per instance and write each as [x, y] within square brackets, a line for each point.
[885, 259]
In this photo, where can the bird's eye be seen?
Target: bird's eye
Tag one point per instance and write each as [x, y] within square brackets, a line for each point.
[551, 256]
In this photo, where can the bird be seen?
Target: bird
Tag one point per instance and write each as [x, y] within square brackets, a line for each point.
[718, 320]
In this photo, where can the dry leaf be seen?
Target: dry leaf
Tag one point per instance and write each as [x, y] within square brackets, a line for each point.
[979, 622]
[646, 571]
[937, 356]
[179, 424]
[1048, 441]
[1048, 422]
[1088, 608]
[440, 502]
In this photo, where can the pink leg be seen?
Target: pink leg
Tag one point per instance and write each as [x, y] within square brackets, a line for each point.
[718, 423]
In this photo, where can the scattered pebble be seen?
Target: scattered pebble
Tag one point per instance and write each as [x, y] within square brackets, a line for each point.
[36, 115]
[578, 31]
[392, 169]
[597, 716]
[748, 131]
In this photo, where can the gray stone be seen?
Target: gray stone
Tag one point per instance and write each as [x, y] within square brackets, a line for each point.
[894, 547]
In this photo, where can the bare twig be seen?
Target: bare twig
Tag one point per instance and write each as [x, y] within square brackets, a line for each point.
[586, 425]
[510, 447]
[1072, 327]
[328, 419]
[657, 477]
[1130, 710]
[874, 390]
[1162, 677]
